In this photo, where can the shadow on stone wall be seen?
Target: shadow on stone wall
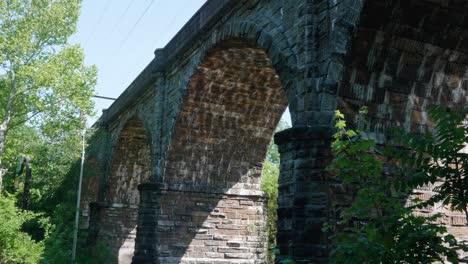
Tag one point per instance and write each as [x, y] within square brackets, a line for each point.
[113, 221]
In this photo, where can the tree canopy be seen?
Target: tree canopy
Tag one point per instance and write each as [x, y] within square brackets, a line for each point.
[44, 82]
[45, 90]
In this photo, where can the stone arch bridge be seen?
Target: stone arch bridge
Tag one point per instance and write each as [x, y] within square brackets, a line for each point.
[175, 172]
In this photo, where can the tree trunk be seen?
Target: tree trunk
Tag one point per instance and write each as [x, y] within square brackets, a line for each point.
[27, 184]
[6, 122]
[2, 142]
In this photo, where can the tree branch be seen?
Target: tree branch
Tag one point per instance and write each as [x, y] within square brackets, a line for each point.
[15, 124]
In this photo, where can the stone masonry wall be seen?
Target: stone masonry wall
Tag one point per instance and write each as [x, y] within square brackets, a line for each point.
[234, 103]
[131, 164]
[304, 204]
[202, 227]
[266, 25]
[117, 229]
[214, 161]
[286, 33]
[118, 213]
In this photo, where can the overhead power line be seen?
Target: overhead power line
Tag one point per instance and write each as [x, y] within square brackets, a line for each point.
[106, 7]
[166, 27]
[134, 26]
[173, 20]
[121, 17]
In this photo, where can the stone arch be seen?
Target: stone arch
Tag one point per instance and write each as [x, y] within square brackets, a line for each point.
[270, 38]
[130, 166]
[232, 105]
[131, 163]
[234, 90]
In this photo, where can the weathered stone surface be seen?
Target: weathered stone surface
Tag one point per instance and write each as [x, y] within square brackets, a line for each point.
[116, 216]
[194, 126]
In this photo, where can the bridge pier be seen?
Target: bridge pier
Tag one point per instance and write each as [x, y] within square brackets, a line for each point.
[303, 203]
[93, 229]
[113, 224]
[146, 244]
[186, 225]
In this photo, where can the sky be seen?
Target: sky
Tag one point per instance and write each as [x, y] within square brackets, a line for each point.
[120, 36]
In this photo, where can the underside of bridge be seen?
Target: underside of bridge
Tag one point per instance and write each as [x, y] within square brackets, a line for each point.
[405, 56]
[210, 102]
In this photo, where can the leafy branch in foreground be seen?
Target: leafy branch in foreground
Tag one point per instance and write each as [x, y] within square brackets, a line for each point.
[440, 157]
[373, 225]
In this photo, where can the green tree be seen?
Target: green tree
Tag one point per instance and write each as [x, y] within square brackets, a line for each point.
[45, 82]
[440, 156]
[374, 225]
[60, 205]
[51, 160]
[272, 152]
[270, 175]
[53, 192]
[15, 245]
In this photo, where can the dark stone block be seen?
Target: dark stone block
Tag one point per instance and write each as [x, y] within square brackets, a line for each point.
[303, 134]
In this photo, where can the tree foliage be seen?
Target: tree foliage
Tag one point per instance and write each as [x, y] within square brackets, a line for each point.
[45, 82]
[441, 156]
[374, 225]
[45, 90]
[269, 186]
[272, 153]
[16, 246]
[51, 160]
[53, 197]
[270, 175]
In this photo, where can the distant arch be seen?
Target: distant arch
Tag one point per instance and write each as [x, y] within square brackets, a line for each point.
[131, 166]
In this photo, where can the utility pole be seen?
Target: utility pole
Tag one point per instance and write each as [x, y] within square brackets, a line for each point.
[80, 182]
[78, 198]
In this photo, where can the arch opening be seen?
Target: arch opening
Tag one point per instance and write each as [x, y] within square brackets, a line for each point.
[213, 207]
[234, 102]
[130, 167]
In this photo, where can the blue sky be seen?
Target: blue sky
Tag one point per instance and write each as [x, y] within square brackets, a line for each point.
[120, 36]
